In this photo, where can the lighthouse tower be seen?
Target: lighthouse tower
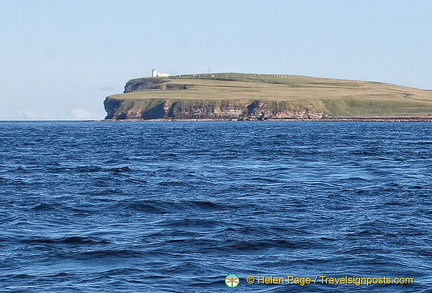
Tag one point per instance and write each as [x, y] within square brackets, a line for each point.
[157, 74]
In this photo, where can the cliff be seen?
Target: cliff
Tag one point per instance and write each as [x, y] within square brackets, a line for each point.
[260, 97]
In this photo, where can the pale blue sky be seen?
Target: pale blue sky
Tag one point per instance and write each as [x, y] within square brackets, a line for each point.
[60, 59]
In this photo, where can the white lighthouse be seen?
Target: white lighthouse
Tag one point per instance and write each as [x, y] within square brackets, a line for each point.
[157, 74]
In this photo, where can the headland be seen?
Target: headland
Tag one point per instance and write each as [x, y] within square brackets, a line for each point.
[238, 96]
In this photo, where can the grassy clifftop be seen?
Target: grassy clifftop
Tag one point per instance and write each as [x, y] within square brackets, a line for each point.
[270, 96]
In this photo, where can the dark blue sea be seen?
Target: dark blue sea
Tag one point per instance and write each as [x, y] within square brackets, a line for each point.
[177, 206]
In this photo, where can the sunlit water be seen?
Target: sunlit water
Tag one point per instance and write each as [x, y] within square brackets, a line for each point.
[175, 207]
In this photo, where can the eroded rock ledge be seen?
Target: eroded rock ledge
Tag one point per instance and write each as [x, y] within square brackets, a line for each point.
[232, 96]
[206, 110]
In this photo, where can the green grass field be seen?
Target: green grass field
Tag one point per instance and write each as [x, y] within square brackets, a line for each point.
[332, 96]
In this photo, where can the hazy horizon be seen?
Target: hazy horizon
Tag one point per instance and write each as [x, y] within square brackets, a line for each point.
[61, 59]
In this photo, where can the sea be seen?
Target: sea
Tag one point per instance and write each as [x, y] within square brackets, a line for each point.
[215, 206]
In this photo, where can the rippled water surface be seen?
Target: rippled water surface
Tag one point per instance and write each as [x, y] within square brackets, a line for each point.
[175, 207]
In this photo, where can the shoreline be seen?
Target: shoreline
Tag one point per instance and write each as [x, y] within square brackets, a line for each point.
[328, 119]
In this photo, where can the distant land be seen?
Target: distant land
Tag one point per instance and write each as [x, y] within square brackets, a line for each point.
[238, 96]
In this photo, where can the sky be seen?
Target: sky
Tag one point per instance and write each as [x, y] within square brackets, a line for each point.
[60, 59]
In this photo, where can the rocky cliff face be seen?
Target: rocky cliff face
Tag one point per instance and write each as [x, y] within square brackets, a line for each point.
[206, 110]
[239, 96]
[144, 84]
[122, 108]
